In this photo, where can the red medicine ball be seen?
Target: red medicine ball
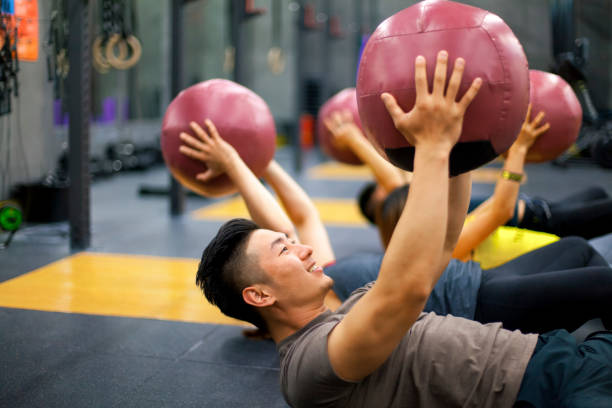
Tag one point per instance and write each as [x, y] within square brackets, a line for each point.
[242, 119]
[491, 51]
[551, 94]
[343, 100]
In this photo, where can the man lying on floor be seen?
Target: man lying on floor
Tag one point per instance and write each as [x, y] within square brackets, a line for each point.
[378, 348]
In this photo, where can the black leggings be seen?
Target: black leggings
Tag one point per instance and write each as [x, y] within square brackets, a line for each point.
[587, 214]
[561, 285]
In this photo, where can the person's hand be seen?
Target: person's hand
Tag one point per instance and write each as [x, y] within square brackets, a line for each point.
[436, 118]
[208, 148]
[530, 131]
[342, 128]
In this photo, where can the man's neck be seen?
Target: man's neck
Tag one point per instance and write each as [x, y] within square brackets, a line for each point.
[285, 326]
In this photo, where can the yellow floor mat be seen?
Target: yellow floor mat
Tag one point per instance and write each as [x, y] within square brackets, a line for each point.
[337, 170]
[116, 285]
[333, 212]
[340, 171]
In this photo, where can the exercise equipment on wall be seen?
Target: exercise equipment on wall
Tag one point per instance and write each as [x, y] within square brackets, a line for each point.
[10, 212]
[276, 55]
[571, 57]
[11, 218]
[595, 139]
[116, 47]
[9, 62]
[56, 47]
[240, 11]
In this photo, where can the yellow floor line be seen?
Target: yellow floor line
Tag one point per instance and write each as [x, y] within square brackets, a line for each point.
[336, 170]
[333, 212]
[115, 285]
[340, 171]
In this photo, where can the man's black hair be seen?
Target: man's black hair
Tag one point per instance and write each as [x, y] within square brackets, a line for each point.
[225, 270]
[390, 211]
[364, 199]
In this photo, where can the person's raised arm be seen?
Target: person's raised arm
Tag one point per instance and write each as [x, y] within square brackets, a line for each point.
[221, 157]
[499, 208]
[460, 188]
[302, 212]
[346, 134]
[412, 264]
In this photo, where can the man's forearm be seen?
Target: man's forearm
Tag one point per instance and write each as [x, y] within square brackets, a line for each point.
[494, 212]
[385, 173]
[418, 239]
[506, 191]
[460, 188]
[263, 208]
[298, 205]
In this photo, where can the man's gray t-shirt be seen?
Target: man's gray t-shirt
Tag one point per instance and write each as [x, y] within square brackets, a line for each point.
[442, 361]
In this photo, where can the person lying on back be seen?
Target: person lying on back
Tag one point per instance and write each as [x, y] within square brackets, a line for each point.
[378, 348]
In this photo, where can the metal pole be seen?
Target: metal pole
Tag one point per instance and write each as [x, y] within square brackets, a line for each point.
[358, 33]
[79, 108]
[563, 33]
[326, 64]
[177, 193]
[374, 15]
[299, 92]
[237, 19]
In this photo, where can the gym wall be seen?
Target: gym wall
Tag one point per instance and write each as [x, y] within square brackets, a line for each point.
[29, 146]
[142, 93]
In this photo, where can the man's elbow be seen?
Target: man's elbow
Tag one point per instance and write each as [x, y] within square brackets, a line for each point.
[417, 293]
[304, 214]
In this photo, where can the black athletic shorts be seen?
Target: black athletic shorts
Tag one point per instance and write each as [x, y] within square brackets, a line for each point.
[562, 373]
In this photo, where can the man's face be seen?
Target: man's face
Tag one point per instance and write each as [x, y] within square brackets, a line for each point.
[292, 274]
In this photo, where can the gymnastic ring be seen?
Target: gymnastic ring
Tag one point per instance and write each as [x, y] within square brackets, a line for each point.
[276, 60]
[99, 62]
[119, 61]
[109, 49]
[136, 51]
[122, 63]
[100, 68]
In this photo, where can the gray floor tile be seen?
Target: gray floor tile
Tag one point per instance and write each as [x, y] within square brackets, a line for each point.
[195, 384]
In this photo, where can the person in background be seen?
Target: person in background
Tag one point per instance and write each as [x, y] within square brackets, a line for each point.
[586, 213]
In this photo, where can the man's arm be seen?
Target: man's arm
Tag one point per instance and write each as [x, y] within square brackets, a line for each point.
[302, 212]
[346, 134]
[460, 188]
[499, 208]
[220, 157]
[368, 334]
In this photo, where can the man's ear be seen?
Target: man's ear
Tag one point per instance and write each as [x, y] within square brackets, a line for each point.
[257, 296]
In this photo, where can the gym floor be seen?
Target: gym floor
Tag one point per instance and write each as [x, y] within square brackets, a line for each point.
[123, 324]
